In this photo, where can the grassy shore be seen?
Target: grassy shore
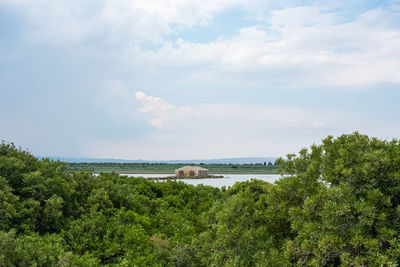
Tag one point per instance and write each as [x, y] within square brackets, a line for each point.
[161, 168]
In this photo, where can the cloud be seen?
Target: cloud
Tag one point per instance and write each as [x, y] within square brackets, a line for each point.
[220, 116]
[216, 130]
[114, 21]
[161, 111]
[230, 130]
[307, 47]
[303, 46]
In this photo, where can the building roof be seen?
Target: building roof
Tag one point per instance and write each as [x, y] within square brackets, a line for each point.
[191, 168]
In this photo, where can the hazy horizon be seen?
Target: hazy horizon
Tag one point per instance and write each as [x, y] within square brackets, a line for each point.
[244, 160]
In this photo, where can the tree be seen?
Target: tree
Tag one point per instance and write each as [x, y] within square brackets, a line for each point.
[354, 219]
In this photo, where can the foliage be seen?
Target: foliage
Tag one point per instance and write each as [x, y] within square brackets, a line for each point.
[339, 207]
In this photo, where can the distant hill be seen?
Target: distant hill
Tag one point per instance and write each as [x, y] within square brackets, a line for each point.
[196, 161]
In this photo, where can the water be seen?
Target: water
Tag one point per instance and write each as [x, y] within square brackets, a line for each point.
[228, 180]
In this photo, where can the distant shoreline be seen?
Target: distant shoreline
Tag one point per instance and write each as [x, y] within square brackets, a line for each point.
[183, 178]
[212, 173]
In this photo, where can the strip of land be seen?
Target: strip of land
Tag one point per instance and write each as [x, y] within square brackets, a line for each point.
[163, 168]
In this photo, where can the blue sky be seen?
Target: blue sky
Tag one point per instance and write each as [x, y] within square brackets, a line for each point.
[178, 79]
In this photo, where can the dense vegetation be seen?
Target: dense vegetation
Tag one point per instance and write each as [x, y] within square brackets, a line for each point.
[340, 207]
[261, 168]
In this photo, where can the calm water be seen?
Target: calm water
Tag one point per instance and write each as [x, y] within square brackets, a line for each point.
[228, 180]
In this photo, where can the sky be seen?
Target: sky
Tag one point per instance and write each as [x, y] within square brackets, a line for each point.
[196, 79]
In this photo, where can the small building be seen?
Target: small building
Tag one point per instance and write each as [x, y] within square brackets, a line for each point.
[191, 171]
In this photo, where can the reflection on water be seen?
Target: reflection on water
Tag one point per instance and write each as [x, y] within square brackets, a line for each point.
[228, 180]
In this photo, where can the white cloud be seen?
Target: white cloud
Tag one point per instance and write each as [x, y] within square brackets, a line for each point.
[115, 21]
[220, 117]
[306, 46]
[309, 45]
[162, 112]
[220, 129]
[216, 130]
[236, 131]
